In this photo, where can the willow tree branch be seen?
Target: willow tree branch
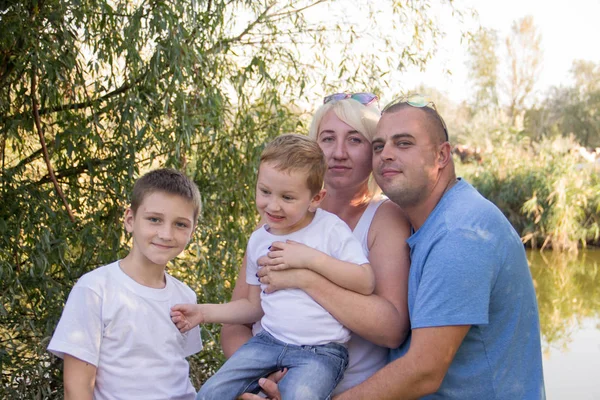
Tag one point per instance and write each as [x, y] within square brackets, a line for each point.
[77, 170]
[88, 103]
[38, 125]
[223, 42]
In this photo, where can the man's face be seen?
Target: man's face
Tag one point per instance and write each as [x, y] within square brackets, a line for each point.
[405, 156]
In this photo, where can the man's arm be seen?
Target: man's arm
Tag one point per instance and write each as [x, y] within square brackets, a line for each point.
[418, 373]
[79, 378]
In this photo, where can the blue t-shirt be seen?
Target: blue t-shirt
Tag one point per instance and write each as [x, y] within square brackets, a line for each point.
[468, 267]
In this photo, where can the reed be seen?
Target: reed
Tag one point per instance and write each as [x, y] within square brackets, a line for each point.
[547, 191]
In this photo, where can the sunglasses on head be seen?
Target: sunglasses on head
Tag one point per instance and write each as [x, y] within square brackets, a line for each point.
[362, 98]
[418, 101]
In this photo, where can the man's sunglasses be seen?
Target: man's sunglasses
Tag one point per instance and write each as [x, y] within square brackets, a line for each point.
[418, 101]
[362, 98]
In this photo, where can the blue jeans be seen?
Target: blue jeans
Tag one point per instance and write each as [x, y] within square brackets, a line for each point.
[313, 371]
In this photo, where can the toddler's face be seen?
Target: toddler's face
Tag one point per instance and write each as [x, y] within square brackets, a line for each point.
[283, 199]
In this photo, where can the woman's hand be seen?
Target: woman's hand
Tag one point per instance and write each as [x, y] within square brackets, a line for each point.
[269, 387]
[290, 254]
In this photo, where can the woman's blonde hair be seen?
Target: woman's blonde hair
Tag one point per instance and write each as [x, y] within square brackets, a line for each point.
[360, 117]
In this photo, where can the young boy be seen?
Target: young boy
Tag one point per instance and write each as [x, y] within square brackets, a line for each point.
[298, 333]
[115, 334]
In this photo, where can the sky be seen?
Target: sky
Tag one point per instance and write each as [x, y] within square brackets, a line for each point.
[570, 31]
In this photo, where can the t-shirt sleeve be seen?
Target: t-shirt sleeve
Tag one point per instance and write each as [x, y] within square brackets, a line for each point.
[456, 282]
[344, 246]
[79, 331]
[252, 262]
[193, 343]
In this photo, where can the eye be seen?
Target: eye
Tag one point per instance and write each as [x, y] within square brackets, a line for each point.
[326, 139]
[403, 143]
[287, 198]
[377, 147]
[355, 139]
[182, 225]
[154, 220]
[264, 191]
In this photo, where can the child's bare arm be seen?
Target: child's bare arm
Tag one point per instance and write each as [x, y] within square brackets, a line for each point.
[351, 276]
[242, 311]
[79, 379]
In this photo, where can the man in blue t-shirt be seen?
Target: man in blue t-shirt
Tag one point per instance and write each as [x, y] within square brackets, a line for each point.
[473, 311]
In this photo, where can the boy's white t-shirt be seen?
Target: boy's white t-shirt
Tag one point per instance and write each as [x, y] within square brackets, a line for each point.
[125, 330]
[291, 315]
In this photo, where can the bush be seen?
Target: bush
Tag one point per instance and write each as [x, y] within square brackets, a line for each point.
[544, 189]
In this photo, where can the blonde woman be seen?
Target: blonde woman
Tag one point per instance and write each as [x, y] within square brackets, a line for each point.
[343, 127]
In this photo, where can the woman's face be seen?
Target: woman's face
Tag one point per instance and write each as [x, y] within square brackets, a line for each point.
[348, 152]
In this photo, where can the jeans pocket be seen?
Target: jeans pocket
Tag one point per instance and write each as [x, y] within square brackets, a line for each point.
[334, 350]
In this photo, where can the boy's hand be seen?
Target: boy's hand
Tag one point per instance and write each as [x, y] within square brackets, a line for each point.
[186, 316]
[293, 278]
[290, 255]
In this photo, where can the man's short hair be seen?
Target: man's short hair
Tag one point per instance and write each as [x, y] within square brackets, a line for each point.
[169, 181]
[294, 152]
[432, 115]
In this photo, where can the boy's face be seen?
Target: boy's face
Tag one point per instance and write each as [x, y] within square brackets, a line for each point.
[284, 200]
[161, 227]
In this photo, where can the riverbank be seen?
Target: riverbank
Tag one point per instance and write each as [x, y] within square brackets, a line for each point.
[548, 191]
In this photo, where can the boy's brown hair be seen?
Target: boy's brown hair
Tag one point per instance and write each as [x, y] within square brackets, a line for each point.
[166, 180]
[293, 152]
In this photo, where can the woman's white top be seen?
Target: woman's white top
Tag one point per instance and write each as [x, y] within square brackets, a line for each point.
[366, 358]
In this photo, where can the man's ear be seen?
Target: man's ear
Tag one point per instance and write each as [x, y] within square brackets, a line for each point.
[129, 218]
[444, 154]
[316, 200]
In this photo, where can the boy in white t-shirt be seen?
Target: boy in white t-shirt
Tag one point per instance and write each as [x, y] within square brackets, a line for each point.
[298, 334]
[115, 333]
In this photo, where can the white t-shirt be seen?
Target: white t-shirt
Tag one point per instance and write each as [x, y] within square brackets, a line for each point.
[125, 330]
[291, 315]
[365, 358]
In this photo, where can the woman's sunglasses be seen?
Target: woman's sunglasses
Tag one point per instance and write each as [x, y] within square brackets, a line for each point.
[418, 101]
[362, 98]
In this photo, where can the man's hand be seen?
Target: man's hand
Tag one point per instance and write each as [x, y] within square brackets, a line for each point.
[186, 316]
[269, 387]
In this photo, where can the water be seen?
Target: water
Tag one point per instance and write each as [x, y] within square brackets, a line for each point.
[568, 291]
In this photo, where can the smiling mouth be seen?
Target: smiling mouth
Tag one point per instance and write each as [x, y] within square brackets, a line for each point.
[389, 172]
[162, 246]
[274, 217]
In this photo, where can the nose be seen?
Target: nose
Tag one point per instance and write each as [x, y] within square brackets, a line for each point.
[387, 152]
[339, 151]
[273, 205]
[165, 232]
